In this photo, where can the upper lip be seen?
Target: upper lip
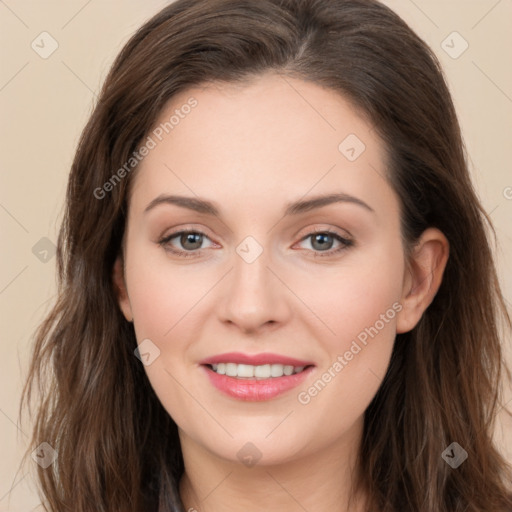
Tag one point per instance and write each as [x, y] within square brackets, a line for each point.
[255, 359]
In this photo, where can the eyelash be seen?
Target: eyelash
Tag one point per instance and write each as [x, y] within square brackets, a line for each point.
[345, 243]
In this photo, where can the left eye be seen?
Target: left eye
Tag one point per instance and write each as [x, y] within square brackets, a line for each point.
[322, 242]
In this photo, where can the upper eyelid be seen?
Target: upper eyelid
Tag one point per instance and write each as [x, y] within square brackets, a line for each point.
[185, 229]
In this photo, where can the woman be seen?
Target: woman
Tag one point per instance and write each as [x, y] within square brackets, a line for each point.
[276, 286]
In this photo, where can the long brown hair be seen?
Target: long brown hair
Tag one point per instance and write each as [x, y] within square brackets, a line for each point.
[118, 449]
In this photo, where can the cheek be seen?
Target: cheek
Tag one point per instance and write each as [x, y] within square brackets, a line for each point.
[353, 296]
[361, 308]
[163, 294]
[164, 301]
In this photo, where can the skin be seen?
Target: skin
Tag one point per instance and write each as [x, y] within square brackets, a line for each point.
[251, 150]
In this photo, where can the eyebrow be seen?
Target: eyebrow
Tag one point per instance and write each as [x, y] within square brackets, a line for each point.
[294, 208]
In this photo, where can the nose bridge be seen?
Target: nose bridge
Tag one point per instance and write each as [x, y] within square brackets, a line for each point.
[254, 296]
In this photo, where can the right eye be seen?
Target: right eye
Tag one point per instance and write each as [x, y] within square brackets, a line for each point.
[190, 241]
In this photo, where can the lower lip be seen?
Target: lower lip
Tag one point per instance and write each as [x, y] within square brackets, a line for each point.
[255, 390]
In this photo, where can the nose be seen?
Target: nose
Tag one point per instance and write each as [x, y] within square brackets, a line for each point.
[253, 298]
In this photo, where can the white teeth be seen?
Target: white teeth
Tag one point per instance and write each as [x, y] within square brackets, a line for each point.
[248, 371]
[276, 370]
[263, 371]
[245, 370]
[231, 369]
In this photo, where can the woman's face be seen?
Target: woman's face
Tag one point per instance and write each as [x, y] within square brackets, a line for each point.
[276, 277]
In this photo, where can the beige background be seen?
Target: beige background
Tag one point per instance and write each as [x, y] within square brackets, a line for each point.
[45, 102]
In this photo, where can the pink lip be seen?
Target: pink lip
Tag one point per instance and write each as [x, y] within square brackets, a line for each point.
[255, 390]
[255, 359]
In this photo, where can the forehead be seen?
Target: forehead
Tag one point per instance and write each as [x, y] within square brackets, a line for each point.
[273, 139]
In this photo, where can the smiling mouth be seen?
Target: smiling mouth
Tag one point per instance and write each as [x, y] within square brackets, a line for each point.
[256, 372]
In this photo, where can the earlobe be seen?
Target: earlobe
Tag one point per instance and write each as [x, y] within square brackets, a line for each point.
[423, 277]
[120, 289]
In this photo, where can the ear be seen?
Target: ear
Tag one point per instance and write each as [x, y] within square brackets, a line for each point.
[423, 276]
[120, 288]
